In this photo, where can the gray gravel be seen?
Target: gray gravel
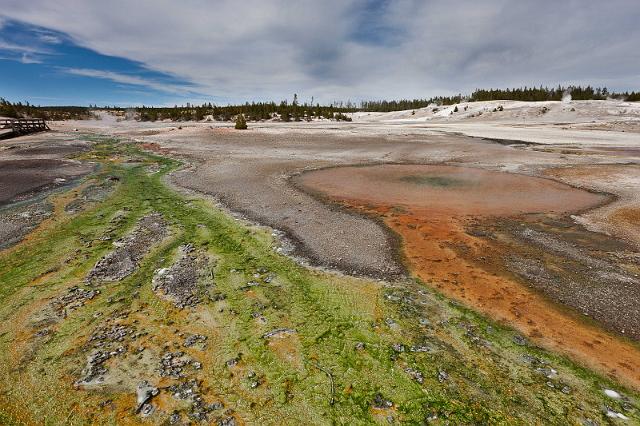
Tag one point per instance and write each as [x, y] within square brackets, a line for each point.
[124, 259]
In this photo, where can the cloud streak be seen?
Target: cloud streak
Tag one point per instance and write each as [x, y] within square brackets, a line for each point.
[352, 49]
[128, 80]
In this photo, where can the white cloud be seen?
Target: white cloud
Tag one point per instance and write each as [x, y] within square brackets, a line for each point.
[271, 49]
[49, 38]
[126, 79]
[12, 47]
[29, 59]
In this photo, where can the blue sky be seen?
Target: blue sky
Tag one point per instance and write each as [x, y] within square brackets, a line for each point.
[46, 67]
[164, 52]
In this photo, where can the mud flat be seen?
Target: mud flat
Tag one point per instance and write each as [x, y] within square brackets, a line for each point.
[487, 238]
[31, 168]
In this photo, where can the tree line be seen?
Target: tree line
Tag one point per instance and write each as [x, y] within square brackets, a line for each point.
[255, 111]
[295, 111]
[529, 94]
[26, 110]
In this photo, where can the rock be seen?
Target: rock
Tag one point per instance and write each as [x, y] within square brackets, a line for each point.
[398, 347]
[442, 376]
[359, 346]
[415, 375]
[215, 406]
[519, 340]
[146, 410]
[227, 421]
[193, 339]
[144, 393]
[175, 418]
[173, 364]
[380, 402]
[547, 372]
[278, 333]
[614, 414]
[73, 299]
[612, 394]
[233, 361]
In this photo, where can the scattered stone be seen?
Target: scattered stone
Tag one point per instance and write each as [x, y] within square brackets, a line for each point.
[415, 375]
[519, 340]
[215, 406]
[421, 348]
[73, 299]
[175, 418]
[359, 346]
[146, 410]
[185, 390]
[194, 339]
[173, 364]
[398, 347]
[380, 402]
[227, 421]
[189, 391]
[249, 285]
[442, 376]
[105, 403]
[94, 370]
[128, 252]
[391, 323]
[110, 334]
[279, 332]
[44, 332]
[179, 283]
[233, 361]
[614, 414]
[547, 372]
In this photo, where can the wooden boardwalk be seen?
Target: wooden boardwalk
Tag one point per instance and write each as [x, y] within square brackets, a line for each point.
[11, 127]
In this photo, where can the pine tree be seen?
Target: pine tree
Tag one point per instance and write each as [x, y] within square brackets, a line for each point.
[241, 122]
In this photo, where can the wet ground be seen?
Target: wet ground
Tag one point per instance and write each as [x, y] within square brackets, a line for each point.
[449, 190]
[485, 238]
[250, 173]
[157, 307]
[31, 168]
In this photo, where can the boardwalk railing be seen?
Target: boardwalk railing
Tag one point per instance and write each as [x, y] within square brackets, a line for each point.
[23, 126]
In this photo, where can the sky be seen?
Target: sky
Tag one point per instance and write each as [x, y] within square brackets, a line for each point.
[165, 52]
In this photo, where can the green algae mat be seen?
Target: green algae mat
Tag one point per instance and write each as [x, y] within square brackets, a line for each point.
[146, 305]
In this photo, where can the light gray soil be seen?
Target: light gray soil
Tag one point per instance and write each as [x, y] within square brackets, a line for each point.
[249, 173]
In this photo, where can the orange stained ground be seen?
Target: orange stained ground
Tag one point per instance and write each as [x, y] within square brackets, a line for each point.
[429, 205]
